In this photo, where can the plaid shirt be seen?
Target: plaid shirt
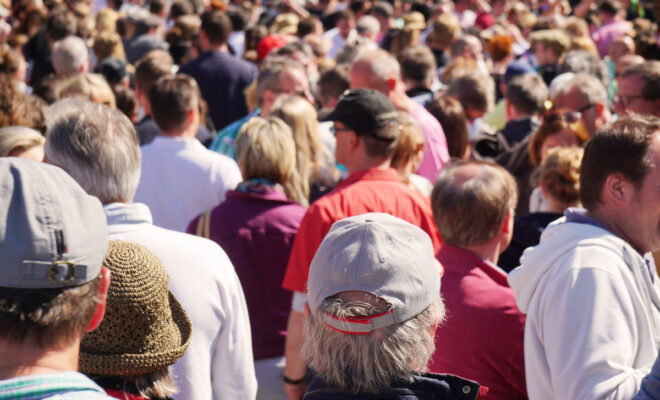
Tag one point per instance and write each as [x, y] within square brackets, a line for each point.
[224, 142]
[60, 386]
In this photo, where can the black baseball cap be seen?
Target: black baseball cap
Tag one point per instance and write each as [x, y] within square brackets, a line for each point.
[364, 111]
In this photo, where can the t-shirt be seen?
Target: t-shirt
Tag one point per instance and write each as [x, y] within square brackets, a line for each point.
[371, 190]
[435, 154]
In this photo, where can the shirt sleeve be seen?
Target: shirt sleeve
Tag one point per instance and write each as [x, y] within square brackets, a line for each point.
[651, 384]
[589, 328]
[232, 363]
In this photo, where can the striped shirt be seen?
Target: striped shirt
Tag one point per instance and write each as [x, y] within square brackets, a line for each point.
[60, 386]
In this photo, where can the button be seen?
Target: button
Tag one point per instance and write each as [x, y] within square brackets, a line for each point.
[466, 390]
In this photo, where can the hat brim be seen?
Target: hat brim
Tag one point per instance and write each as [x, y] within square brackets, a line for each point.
[137, 364]
[326, 115]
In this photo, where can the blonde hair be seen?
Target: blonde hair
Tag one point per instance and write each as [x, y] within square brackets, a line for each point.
[311, 154]
[13, 138]
[265, 149]
[108, 44]
[560, 174]
[92, 87]
[106, 20]
[408, 145]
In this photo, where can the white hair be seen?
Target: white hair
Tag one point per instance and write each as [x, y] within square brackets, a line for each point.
[589, 86]
[369, 363]
[368, 24]
[381, 66]
[97, 146]
[69, 55]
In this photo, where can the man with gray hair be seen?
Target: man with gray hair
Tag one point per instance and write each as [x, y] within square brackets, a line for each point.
[380, 71]
[639, 89]
[99, 148]
[473, 206]
[70, 57]
[373, 306]
[583, 98]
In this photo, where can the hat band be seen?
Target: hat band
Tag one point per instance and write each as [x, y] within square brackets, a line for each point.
[359, 325]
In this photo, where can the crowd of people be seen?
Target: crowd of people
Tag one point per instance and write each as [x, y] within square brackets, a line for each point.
[329, 199]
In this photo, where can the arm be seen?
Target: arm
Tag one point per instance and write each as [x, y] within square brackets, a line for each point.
[651, 384]
[589, 328]
[296, 366]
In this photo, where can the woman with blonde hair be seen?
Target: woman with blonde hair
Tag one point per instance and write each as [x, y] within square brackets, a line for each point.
[314, 160]
[560, 184]
[19, 141]
[408, 154]
[256, 226]
[92, 87]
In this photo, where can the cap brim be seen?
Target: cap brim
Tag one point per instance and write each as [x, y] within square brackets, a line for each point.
[327, 115]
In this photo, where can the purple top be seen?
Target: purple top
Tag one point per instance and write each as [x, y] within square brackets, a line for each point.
[257, 229]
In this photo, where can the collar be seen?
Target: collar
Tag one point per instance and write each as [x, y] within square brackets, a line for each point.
[46, 385]
[174, 142]
[459, 259]
[123, 213]
[579, 215]
[371, 174]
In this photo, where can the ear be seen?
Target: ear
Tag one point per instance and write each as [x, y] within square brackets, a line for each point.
[308, 312]
[600, 108]
[353, 140]
[507, 223]
[391, 84]
[102, 296]
[618, 189]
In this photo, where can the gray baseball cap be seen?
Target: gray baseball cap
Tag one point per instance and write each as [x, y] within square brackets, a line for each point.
[52, 233]
[379, 254]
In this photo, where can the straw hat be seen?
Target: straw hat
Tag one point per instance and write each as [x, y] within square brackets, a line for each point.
[414, 20]
[144, 327]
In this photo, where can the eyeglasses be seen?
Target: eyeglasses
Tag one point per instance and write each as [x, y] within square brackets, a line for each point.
[625, 100]
[568, 117]
[334, 130]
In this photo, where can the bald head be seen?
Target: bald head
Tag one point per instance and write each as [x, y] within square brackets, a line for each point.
[375, 69]
[621, 46]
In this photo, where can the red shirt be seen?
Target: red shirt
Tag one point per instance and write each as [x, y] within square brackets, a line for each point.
[482, 336]
[371, 190]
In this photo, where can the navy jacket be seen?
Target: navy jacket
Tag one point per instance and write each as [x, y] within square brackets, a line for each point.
[222, 78]
[426, 386]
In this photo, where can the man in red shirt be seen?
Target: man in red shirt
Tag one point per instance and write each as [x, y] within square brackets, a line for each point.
[482, 336]
[366, 127]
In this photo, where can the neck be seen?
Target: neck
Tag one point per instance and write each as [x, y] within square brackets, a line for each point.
[28, 358]
[610, 222]
[368, 163]
[489, 250]
[400, 99]
[216, 47]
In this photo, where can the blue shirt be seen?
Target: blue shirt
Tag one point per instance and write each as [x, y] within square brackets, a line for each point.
[60, 386]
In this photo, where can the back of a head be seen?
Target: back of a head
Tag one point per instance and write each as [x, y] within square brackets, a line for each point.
[470, 201]
[148, 71]
[144, 329]
[371, 321]
[581, 61]
[461, 44]
[382, 9]
[367, 24]
[265, 149]
[60, 24]
[449, 112]
[588, 86]
[527, 93]
[217, 26]
[92, 87]
[417, 64]
[70, 56]
[379, 66]
[555, 39]
[171, 98]
[623, 147]
[334, 81]
[13, 138]
[97, 146]
[411, 141]
[560, 175]
[474, 90]
[301, 117]
[60, 233]
[446, 28]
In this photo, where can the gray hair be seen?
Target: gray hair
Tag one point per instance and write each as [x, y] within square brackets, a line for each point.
[18, 137]
[271, 71]
[579, 61]
[367, 24]
[97, 146]
[369, 363]
[69, 55]
[589, 86]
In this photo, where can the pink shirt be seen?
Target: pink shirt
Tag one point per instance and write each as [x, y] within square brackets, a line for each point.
[607, 32]
[436, 154]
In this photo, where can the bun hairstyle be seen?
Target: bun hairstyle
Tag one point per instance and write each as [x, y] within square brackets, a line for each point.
[560, 174]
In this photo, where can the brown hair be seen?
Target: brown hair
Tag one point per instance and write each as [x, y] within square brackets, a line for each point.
[49, 317]
[449, 112]
[470, 211]
[446, 29]
[560, 174]
[216, 25]
[148, 71]
[108, 44]
[411, 141]
[171, 98]
[621, 147]
[547, 129]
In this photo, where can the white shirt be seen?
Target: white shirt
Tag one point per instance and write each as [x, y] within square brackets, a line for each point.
[337, 41]
[219, 362]
[182, 179]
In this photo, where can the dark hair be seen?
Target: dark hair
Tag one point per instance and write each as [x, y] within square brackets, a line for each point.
[171, 98]
[126, 100]
[307, 25]
[181, 7]
[527, 93]
[239, 17]
[649, 72]
[344, 14]
[157, 6]
[217, 26]
[621, 147]
[148, 71]
[60, 24]
[334, 81]
[611, 7]
[449, 112]
[417, 64]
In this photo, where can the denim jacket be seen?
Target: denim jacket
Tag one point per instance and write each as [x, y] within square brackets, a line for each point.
[426, 386]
